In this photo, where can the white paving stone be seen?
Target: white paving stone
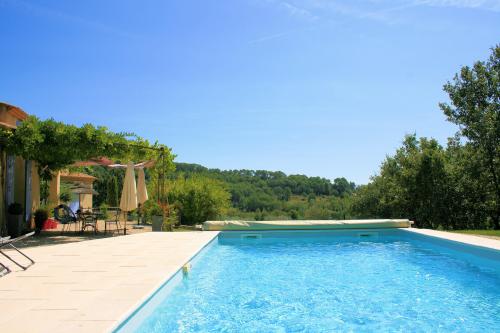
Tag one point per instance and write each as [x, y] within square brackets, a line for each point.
[89, 286]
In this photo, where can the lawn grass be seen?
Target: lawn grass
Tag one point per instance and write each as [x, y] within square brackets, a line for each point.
[495, 233]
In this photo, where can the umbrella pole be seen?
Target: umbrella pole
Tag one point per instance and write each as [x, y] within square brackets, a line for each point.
[139, 214]
[125, 223]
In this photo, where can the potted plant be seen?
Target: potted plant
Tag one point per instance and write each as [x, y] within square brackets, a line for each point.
[41, 215]
[155, 213]
[15, 219]
[157, 219]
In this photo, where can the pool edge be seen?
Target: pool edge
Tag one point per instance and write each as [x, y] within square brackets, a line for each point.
[481, 242]
[474, 241]
[122, 321]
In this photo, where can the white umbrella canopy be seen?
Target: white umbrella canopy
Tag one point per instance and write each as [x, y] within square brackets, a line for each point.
[142, 191]
[128, 201]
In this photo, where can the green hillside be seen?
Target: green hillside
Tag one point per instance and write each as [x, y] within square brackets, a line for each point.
[261, 194]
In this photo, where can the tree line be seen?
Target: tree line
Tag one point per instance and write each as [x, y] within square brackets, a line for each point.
[197, 194]
[452, 187]
[253, 190]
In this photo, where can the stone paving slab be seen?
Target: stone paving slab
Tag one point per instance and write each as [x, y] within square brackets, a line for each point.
[461, 238]
[89, 286]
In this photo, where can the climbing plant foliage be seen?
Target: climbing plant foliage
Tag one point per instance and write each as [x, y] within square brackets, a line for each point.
[55, 145]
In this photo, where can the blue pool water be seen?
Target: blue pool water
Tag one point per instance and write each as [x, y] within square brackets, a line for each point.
[385, 281]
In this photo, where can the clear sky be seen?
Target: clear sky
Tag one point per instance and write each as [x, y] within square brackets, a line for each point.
[317, 87]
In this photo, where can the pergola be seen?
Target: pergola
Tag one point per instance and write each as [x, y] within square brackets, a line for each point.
[160, 186]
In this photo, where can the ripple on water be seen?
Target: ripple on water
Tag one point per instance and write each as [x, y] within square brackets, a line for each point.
[308, 286]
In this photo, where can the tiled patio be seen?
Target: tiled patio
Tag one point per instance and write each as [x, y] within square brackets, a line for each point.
[57, 237]
[89, 286]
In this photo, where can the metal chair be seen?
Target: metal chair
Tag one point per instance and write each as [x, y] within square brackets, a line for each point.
[114, 218]
[64, 215]
[4, 269]
[10, 243]
[89, 220]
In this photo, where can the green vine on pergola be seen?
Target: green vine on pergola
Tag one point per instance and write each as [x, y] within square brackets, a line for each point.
[55, 146]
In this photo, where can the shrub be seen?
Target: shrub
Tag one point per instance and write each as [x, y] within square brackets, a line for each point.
[41, 215]
[171, 220]
[199, 199]
[49, 207]
[151, 208]
[103, 208]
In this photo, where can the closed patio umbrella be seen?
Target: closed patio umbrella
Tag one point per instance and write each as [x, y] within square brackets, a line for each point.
[128, 201]
[142, 191]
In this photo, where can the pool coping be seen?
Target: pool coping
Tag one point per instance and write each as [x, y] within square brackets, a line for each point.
[477, 241]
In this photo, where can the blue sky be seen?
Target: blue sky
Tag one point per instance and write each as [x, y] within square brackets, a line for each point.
[316, 87]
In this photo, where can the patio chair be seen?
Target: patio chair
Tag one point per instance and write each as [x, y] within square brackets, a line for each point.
[64, 215]
[4, 269]
[9, 242]
[113, 219]
[89, 220]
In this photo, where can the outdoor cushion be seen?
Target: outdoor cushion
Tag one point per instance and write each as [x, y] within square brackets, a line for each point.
[49, 224]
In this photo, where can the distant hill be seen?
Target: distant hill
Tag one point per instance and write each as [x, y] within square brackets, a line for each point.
[261, 190]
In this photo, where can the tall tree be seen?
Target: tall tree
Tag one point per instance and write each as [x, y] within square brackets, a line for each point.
[475, 107]
[414, 183]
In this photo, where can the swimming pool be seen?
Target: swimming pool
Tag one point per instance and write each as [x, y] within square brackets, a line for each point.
[324, 281]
